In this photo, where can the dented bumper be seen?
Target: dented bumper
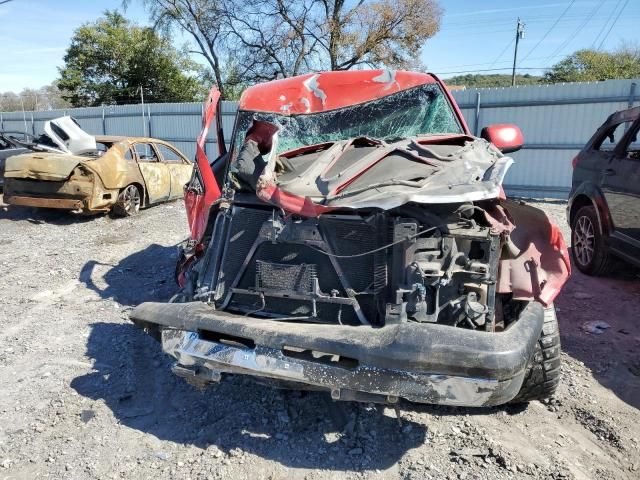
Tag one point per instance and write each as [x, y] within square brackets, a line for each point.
[60, 203]
[426, 363]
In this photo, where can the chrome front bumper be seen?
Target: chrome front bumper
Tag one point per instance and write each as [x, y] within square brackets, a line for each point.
[424, 363]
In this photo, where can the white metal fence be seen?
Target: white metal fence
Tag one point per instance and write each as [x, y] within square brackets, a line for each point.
[556, 121]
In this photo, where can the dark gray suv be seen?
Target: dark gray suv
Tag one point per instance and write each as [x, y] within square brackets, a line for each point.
[604, 205]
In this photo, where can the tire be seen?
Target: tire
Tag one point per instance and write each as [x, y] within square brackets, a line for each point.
[128, 203]
[588, 246]
[543, 372]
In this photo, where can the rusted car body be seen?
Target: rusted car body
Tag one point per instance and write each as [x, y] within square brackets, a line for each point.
[121, 174]
[356, 239]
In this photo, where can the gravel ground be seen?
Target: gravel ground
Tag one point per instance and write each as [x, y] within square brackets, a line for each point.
[86, 395]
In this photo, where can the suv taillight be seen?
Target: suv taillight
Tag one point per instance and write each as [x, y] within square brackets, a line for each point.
[574, 162]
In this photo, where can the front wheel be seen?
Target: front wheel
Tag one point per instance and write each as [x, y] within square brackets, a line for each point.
[543, 372]
[128, 202]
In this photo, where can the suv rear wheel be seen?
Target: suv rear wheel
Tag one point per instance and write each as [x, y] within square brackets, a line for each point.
[588, 247]
[543, 372]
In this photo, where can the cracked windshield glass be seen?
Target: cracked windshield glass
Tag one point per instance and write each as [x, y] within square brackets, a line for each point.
[418, 111]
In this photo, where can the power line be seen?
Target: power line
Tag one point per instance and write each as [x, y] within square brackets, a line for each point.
[604, 27]
[571, 37]
[492, 70]
[500, 55]
[549, 31]
[613, 24]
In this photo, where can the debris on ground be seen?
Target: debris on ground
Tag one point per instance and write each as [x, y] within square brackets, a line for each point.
[110, 407]
[595, 327]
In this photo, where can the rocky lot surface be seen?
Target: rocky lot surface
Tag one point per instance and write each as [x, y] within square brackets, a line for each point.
[84, 394]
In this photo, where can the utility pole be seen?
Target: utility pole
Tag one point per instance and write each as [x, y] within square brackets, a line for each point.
[519, 36]
[24, 115]
[144, 123]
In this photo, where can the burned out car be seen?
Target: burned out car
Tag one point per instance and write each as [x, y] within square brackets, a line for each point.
[72, 170]
[11, 143]
[356, 239]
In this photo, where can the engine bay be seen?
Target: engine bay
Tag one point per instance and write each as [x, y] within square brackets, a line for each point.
[412, 264]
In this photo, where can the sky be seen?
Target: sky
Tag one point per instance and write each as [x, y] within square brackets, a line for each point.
[476, 36]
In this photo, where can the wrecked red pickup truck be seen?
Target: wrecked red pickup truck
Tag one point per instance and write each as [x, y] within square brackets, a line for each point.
[356, 239]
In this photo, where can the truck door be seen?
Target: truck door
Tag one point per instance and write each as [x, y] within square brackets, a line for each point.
[203, 189]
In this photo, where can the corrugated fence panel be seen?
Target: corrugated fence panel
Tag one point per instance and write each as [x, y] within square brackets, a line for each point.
[556, 121]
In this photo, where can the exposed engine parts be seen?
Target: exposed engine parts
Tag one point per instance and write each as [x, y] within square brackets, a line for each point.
[447, 276]
[409, 265]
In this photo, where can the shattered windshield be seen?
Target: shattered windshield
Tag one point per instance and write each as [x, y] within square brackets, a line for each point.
[417, 111]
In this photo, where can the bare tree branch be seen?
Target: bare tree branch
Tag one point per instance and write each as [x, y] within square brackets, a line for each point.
[265, 39]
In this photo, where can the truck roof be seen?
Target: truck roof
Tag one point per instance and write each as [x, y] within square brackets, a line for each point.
[317, 92]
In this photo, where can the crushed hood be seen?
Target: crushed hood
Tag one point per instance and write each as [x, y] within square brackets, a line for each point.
[368, 173]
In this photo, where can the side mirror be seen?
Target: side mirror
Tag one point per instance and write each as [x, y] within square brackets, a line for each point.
[507, 138]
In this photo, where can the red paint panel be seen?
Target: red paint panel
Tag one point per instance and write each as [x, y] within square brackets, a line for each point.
[291, 203]
[542, 267]
[198, 205]
[558, 278]
[317, 92]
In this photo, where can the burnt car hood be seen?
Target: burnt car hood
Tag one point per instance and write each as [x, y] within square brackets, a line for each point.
[368, 173]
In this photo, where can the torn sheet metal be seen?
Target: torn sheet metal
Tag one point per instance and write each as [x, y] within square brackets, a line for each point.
[365, 173]
[540, 265]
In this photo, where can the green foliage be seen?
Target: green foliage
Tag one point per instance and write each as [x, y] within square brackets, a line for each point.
[232, 83]
[494, 80]
[110, 60]
[594, 65]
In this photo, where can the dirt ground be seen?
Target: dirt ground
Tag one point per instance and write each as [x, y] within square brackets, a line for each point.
[84, 394]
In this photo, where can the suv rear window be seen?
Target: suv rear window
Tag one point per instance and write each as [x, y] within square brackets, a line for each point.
[610, 140]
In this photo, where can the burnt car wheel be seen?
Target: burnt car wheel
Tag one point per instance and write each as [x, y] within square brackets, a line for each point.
[543, 372]
[128, 202]
[588, 247]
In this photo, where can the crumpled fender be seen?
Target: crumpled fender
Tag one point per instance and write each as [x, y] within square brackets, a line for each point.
[541, 266]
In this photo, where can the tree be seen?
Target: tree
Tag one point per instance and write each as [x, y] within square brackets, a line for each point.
[52, 97]
[48, 97]
[378, 33]
[594, 65]
[203, 20]
[10, 102]
[270, 38]
[492, 80]
[112, 60]
[279, 38]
